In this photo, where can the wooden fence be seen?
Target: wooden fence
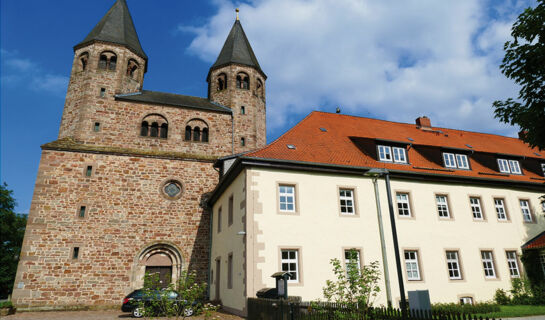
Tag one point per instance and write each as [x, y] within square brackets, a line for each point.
[272, 309]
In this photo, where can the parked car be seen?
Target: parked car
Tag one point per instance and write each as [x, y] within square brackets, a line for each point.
[133, 302]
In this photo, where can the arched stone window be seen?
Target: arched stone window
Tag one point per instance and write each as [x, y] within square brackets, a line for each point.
[144, 129]
[197, 130]
[188, 133]
[164, 131]
[259, 89]
[158, 127]
[83, 61]
[196, 134]
[222, 81]
[154, 131]
[243, 81]
[107, 61]
[163, 259]
[132, 69]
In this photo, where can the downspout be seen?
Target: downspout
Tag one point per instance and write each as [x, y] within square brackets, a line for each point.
[208, 277]
[232, 133]
[383, 246]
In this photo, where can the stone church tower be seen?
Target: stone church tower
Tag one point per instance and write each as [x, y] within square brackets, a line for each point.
[123, 189]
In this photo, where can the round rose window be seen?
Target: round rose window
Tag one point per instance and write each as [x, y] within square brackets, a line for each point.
[172, 189]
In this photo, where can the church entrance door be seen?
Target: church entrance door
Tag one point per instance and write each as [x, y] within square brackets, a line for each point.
[164, 275]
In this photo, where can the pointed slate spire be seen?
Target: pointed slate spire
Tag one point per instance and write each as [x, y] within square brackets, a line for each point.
[116, 27]
[237, 49]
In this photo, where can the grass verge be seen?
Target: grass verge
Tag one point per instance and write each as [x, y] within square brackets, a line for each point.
[515, 311]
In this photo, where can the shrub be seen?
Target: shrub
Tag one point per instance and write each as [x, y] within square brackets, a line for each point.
[5, 304]
[501, 297]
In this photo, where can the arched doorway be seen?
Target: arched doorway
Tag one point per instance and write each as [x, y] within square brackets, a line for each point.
[162, 259]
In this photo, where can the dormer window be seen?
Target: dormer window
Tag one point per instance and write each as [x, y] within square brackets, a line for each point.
[392, 154]
[543, 169]
[455, 160]
[509, 166]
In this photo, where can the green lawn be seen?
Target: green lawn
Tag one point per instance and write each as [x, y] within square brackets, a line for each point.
[516, 311]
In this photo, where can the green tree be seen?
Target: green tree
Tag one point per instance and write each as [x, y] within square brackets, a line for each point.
[353, 287]
[524, 62]
[12, 231]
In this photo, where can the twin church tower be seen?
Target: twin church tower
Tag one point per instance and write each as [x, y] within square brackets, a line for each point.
[123, 190]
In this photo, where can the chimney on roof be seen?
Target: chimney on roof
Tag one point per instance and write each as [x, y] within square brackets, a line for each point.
[423, 122]
[522, 134]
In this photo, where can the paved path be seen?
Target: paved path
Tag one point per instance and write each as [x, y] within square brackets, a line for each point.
[528, 318]
[93, 315]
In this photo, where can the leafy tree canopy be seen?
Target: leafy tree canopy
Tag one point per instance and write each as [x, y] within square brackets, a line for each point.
[12, 230]
[524, 62]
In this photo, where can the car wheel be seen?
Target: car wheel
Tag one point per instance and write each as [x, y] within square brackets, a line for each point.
[138, 313]
[188, 312]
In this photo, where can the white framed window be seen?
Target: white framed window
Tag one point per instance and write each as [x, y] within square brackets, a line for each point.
[476, 208]
[286, 199]
[384, 153]
[411, 265]
[450, 161]
[514, 166]
[503, 165]
[346, 197]
[403, 205]
[453, 265]
[461, 161]
[499, 204]
[290, 263]
[525, 209]
[542, 262]
[512, 263]
[543, 168]
[399, 155]
[488, 264]
[352, 259]
[442, 206]
[466, 300]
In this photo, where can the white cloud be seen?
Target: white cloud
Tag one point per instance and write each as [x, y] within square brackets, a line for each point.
[394, 59]
[51, 83]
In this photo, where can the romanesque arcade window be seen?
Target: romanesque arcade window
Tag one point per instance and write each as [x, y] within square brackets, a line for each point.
[243, 81]
[222, 81]
[83, 61]
[155, 126]
[259, 89]
[107, 61]
[196, 130]
[132, 69]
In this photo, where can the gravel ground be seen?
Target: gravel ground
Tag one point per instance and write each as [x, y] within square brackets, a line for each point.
[95, 315]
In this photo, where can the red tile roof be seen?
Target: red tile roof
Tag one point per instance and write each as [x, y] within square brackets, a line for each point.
[535, 243]
[347, 142]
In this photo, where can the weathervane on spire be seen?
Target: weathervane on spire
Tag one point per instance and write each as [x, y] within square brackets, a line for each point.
[237, 12]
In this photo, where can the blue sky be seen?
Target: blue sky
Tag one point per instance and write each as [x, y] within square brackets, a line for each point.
[393, 60]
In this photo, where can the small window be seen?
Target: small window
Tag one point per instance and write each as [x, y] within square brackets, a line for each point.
[453, 265]
[411, 265]
[352, 259]
[543, 168]
[75, 253]
[112, 64]
[455, 161]
[230, 211]
[466, 300]
[449, 159]
[242, 142]
[144, 129]
[525, 209]
[512, 263]
[222, 81]
[205, 135]
[542, 262]
[82, 212]
[503, 165]
[242, 110]
[442, 206]
[509, 166]
[132, 67]
[476, 209]
[290, 263]
[96, 127]
[461, 161]
[403, 205]
[154, 131]
[346, 197]
[187, 133]
[83, 61]
[102, 62]
[488, 264]
[243, 81]
[286, 199]
[219, 220]
[399, 155]
[230, 271]
[102, 92]
[514, 166]
[384, 153]
[499, 205]
[259, 89]
[89, 171]
[196, 134]
[107, 61]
